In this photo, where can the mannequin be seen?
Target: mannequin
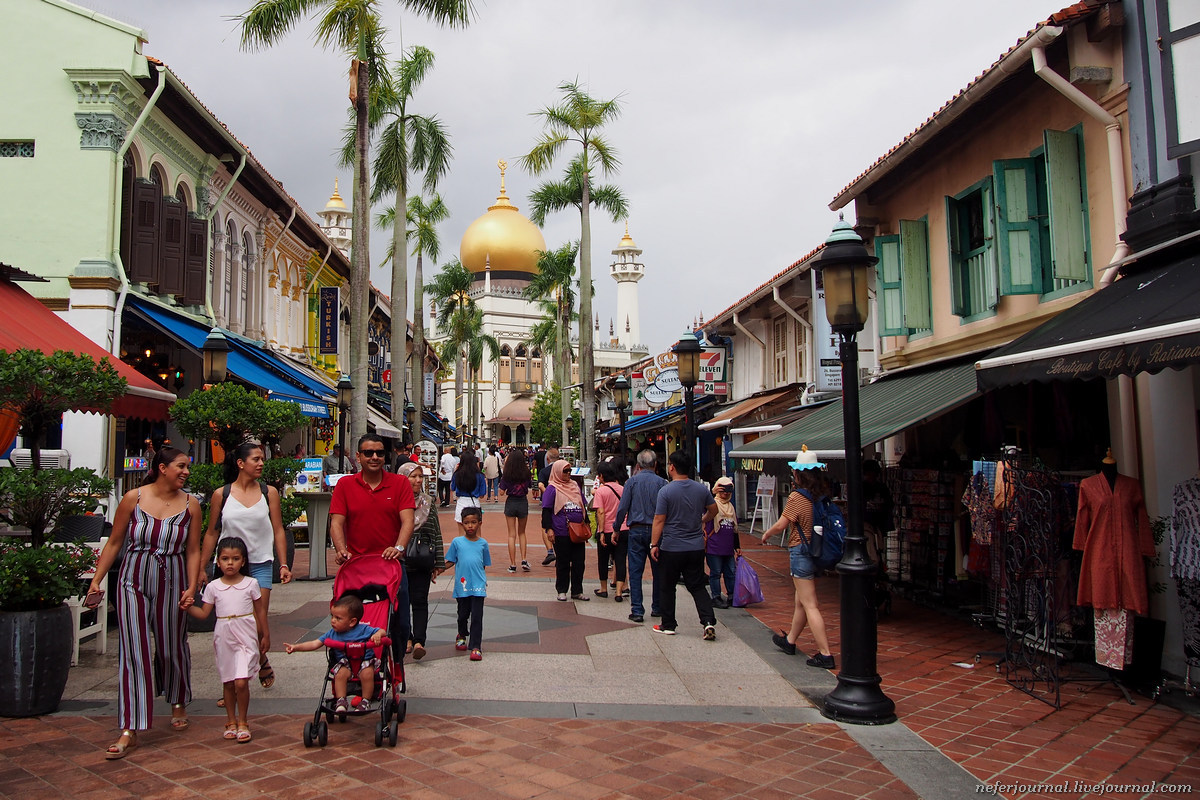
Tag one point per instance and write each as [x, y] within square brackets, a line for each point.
[1112, 529]
[1185, 567]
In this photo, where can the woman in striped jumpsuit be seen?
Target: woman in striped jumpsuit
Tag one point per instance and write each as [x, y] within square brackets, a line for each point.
[156, 585]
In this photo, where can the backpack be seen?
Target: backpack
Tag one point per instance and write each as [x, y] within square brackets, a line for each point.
[826, 549]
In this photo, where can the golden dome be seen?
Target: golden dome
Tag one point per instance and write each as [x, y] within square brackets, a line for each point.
[502, 238]
[626, 240]
[335, 200]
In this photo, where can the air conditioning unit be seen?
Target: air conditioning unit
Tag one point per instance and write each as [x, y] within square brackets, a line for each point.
[49, 459]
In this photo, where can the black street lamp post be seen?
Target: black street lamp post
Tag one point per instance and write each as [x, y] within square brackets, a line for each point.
[687, 360]
[621, 400]
[345, 396]
[414, 426]
[843, 267]
[215, 352]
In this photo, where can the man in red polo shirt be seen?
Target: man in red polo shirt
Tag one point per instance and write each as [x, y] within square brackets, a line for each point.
[371, 513]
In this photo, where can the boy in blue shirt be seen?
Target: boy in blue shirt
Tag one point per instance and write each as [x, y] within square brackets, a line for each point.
[470, 555]
[344, 616]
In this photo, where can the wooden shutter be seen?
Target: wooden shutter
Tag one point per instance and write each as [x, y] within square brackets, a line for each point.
[914, 269]
[891, 296]
[195, 261]
[989, 288]
[143, 250]
[1018, 231]
[170, 257]
[1064, 185]
[958, 303]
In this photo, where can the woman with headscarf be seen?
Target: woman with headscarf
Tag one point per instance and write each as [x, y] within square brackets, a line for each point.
[427, 529]
[721, 544]
[562, 504]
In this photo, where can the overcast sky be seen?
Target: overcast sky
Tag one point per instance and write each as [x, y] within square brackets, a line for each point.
[740, 122]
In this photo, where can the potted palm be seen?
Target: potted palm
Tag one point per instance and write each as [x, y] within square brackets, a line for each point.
[36, 578]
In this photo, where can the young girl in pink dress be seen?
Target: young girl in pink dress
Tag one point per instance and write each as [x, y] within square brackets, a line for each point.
[241, 633]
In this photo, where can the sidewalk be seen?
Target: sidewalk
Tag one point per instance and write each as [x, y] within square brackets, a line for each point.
[573, 700]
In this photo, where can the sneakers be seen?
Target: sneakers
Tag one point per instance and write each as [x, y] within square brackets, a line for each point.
[780, 640]
[341, 706]
[549, 559]
[720, 602]
[636, 618]
[710, 633]
[512, 570]
[477, 654]
[664, 631]
[460, 643]
[525, 566]
[821, 660]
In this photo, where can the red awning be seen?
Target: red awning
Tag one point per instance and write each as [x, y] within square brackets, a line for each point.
[30, 325]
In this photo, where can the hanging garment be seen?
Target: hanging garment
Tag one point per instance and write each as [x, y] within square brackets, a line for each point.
[1114, 637]
[1189, 609]
[978, 500]
[1113, 531]
[1185, 531]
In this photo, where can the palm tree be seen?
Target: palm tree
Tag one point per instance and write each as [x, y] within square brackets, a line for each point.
[451, 295]
[476, 345]
[353, 27]
[556, 279]
[579, 118]
[410, 143]
[554, 196]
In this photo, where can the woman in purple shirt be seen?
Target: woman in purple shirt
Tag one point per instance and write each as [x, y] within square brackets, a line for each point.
[721, 545]
[562, 503]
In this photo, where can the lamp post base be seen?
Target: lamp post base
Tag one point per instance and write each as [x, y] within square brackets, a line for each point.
[859, 701]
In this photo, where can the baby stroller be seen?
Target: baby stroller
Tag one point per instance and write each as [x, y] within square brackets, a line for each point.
[376, 581]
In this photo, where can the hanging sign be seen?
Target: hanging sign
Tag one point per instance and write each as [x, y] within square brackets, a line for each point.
[828, 374]
[327, 320]
[428, 393]
[637, 394]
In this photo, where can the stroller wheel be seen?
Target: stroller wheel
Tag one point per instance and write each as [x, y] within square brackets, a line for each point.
[341, 717]
[401, 709]
[308, 734]
[393, 733]
[322, 733]
[379, 733]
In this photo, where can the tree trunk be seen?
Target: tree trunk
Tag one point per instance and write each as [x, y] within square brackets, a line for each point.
[418, 360]
[459, 409]
[399, 365]
[360, 262]
[562, 363]
[588, 434]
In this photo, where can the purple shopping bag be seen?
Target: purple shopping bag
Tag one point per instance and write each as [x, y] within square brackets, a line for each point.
[745, 585]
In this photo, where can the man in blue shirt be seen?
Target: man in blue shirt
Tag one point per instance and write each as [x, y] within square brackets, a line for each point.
[637, 505]
[677, 543]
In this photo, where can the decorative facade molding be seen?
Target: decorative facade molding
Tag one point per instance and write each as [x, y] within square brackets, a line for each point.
[100, 130]
[93, 282]
[168, 144]
[110, 90]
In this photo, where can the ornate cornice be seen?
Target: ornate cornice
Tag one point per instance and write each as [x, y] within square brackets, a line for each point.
[111, 91]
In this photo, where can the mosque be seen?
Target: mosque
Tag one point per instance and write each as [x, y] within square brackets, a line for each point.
[501, 249]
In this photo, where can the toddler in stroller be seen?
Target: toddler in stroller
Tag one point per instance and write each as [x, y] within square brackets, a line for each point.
[361, 668]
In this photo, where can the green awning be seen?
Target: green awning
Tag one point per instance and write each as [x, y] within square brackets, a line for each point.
[886, 407]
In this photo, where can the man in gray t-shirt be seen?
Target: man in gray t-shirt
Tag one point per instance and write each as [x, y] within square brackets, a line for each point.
[677, 543]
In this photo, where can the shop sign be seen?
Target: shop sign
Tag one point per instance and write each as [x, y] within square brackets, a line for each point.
[828, 374]
[748, 464]
[662, 376]
[429, 378]
[637, 394]
[327, 320]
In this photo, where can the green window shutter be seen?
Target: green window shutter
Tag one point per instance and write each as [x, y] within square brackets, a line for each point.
[914, 270]
[1064, 183]
[954, 213]
[890, 297]
[1017, 227]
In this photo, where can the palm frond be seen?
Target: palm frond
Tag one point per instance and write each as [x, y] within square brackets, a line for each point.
[268, 21]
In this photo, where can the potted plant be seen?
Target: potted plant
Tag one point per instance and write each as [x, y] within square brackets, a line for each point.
[36, 578]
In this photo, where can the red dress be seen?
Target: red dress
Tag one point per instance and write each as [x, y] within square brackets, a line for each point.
[1112, 529]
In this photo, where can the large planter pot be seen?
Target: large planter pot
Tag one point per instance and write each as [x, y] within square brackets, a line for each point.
[35, 662]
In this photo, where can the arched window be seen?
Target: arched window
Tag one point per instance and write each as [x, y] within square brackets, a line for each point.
[518, 369]
[181, 194]
[157, 177]
[506, 363]
[248, 255]
[231, 273]
[535, 366]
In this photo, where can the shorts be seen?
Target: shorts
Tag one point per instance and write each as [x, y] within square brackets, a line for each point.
[466, 502]
[370, 663]
[801, 563]
[261, 572]
[516, 507]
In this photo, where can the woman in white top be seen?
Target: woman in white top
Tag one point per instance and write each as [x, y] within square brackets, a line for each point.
[251, 513]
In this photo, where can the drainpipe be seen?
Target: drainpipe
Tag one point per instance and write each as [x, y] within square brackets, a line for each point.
[208, 307]
[1116, 155]
[762, 375]
[114, 241]
[808, 362]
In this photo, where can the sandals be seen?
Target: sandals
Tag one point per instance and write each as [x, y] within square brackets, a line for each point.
[118, 750]
[582, 597]
[243, 733]
[179, 723]
[418, 651]
[600, 593]
[230, 730]
[266, 675]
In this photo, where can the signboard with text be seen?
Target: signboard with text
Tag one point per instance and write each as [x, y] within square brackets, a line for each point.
[828, 372]
[662, 376]
[327, 320]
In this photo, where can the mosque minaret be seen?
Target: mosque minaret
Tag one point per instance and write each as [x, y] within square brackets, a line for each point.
[627, 270]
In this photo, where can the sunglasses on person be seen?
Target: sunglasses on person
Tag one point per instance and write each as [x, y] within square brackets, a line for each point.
[372, 453]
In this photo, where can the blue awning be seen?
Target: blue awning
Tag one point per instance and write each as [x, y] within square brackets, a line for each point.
[247, 362]
[658, 418]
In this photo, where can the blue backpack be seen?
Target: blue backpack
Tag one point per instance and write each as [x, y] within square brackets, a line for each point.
[826, 549]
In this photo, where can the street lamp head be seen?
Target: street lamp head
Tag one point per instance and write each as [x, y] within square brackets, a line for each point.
[216, 356]
[687, 359]
[844, 265]
[621, 391]
[570, 422]
[345, 393]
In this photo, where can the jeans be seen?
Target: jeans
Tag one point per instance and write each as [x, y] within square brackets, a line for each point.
[689, 564]
[418, 595]
[720, 566]
[568, 568]
[470, 620]
[639, 552]
[493, 487]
